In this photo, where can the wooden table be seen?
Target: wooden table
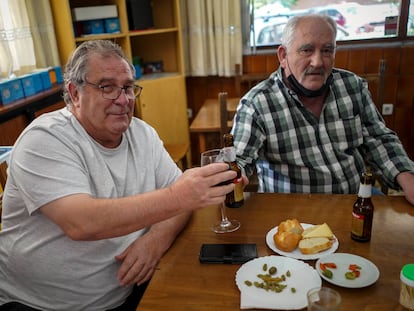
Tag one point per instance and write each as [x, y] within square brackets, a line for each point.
[207, 119]
[181, 282]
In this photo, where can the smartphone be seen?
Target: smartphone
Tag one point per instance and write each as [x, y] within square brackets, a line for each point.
[227, 253]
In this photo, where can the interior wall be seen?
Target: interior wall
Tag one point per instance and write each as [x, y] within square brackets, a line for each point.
[398, 86]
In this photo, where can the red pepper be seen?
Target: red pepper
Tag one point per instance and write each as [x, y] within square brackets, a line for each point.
[330, 265]
[354, 267]
[322, 266]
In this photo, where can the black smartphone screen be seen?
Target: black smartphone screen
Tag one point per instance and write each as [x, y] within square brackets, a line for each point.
[227, 253]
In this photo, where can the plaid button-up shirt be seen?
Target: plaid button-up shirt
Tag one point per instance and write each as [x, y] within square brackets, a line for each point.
[294, 151]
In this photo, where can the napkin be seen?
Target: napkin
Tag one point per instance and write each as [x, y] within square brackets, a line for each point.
[303, 277]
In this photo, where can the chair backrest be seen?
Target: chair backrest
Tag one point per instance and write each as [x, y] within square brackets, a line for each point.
[245, 81]
[222, 99]
[3, 174]
[3, 179]
[376, 83]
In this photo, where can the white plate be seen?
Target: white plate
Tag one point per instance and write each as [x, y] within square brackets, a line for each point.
[369, 271]
[296, 253]
[302, 277]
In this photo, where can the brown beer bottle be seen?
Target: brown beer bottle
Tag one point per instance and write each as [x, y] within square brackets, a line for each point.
[363, 210]
[236, 197]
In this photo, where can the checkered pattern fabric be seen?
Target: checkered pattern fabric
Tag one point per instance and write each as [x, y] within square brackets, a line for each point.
[294, 151]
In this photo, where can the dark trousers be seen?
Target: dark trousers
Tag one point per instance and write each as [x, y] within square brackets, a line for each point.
[130, 304]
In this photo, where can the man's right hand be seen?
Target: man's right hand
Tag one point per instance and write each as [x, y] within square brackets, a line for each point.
[197, 187]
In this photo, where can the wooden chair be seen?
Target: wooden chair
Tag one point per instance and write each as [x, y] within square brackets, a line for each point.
[3, 174]
[245, 81]
[226, 116]
[180, 153]
[170, 122]
[3, 179]
[376, 83]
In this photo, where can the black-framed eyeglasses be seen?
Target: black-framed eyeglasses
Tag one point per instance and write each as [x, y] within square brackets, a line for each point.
[113, 92]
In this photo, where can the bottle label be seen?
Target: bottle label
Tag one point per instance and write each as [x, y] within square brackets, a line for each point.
[357, 224]
[229, 154]
[365, 191]
[238, 190]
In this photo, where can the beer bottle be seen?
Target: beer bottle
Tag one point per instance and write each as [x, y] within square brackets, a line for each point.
[234, 198]
[363, 210]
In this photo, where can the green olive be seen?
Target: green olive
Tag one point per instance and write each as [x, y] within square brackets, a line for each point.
[248, 283]
[328, 273]
[350, 275]
[272, 270]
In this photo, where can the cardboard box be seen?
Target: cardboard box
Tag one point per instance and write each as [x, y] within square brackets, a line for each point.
[44, 77]
[11, 90]
[17, 88]
[5, 153]
[94, 12]
[95, 26]
[37, 79]
[6, 92]
[112, 25]
[59, 74]
[28, 83]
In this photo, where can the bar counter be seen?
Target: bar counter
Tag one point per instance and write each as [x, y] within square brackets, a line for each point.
[181, 282]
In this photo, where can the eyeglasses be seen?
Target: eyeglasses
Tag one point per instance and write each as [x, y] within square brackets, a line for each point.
[113, 91]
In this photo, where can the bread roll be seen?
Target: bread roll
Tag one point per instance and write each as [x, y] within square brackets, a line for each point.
[286, 241]
[288, 235]
[290, 225]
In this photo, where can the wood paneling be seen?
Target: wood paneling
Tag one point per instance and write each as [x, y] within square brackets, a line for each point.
[398, 89]
[17, 115]
[11, 129]
[407, 60]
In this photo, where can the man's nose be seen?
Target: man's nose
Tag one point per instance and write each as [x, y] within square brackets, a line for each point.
[317, 59]
[122, 98]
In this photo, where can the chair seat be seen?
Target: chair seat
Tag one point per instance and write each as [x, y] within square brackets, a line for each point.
[180, 153]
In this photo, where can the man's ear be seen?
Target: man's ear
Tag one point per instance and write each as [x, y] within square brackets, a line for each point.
[281, 55]
[73, 93]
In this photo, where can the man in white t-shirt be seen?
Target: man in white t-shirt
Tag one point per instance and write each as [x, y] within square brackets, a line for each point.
[93, 200]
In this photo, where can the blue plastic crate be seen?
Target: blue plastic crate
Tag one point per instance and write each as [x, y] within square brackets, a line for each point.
[28, 84]
[94, 26]
[17, 88]
[59, 74]
[6, 92]
[5, 153]
[112, 25]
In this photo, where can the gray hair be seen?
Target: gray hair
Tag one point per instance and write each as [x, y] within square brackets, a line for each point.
[77, 66]
[291, 26]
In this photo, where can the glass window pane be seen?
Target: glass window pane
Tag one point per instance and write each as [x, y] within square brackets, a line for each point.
[410, 23]
[356, 20]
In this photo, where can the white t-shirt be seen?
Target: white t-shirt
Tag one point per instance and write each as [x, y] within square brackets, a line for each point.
[55, 157]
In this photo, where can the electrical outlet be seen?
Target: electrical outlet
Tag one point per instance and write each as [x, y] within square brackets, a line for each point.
[387, 109]
[189, 113]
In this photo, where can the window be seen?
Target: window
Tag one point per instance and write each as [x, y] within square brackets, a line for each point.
[410, 22]
[264, 20]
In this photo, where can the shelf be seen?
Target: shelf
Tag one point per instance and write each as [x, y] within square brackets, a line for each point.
[158, 75]
[100, 36]
[153, 31]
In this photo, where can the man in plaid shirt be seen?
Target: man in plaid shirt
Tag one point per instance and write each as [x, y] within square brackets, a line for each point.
[313, 128]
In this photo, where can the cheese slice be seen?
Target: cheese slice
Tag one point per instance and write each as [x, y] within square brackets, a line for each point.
[318, 231]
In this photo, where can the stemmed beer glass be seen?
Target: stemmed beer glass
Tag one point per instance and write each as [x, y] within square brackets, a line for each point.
[224, 225]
